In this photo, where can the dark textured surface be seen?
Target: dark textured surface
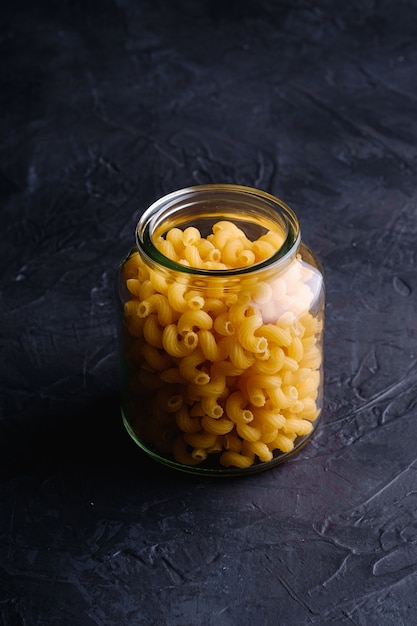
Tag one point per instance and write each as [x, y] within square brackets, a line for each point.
[105, 106]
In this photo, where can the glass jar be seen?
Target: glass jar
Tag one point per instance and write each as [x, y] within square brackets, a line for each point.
[220, 325]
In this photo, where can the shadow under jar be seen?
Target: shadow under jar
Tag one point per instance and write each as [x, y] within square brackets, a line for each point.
[220, 326]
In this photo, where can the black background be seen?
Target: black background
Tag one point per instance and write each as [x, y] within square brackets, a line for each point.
[106, 106]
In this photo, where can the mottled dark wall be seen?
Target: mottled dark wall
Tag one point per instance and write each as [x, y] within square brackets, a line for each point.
[104, 107]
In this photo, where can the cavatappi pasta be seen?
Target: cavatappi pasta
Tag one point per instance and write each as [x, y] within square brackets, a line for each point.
[214, 371]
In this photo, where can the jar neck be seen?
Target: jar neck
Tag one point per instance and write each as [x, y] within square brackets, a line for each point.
[255, 212]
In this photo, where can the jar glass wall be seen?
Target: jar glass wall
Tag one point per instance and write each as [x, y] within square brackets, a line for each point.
[220, 326]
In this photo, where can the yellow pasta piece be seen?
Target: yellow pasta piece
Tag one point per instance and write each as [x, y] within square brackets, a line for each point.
[217, 446]
[167, 248]
[283, 443]
[231, 251]
[168, 400]
[213, 256]
[274, 334]
[185, 422]
[239, 311]
[159, 282]
[215, 306]
[262, 250]
[247, 257]
[309, 342]
[194, 300]
[211, 407]
[202, 439]
[223, 325]
[175, 237]
[192, 256]
[266, 418]
[283, 397]
[215, 288]
[131, 266]
[215, 387]
[246, 336]
[236, 408]
[232, 442]
[199, 454]
[310, 410]
[181, 454]
[273, 238]
[268, 435]
[225, 368]
[228, 226]
[152, 331]
[172, 375]
[131, 308]
[297, 406]
[231, 458]
[176, 297]
[174, 344]
[207, 251]
[191, 339]
[289, 364]
[188, 367]
[256, 385]
[133, 284]
[156, 359]
[134, 324]
[297, 426]
[212, 350]
[295, 350]
[311, 324]
[247, 432]
[194, 320]
[157, 303]
[191, 236]
[271, 365]
[241, 358]
[223, 232]
[145, 290]
[312, 358]
[217, 426]
[196, 410]
[308, 387]
[258, 448]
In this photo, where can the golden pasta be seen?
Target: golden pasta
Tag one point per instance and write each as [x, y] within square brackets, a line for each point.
[211, 407]
[213, 351]
[217, 426]
[220, 372]
[246, 335]
[175, 296]
[152, 331]
[189, 368]
[185, 422]
[236, 408]
[194, 320]
[236, 459]
[175, 345]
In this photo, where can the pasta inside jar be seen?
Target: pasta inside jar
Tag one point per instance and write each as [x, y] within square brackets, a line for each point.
[221, 332]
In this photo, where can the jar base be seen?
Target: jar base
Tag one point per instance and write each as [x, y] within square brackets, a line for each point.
[211, 468]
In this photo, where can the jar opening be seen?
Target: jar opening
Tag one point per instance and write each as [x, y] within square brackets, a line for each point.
[253, 211]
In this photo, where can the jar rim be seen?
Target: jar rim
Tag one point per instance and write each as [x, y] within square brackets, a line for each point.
[168, 205]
